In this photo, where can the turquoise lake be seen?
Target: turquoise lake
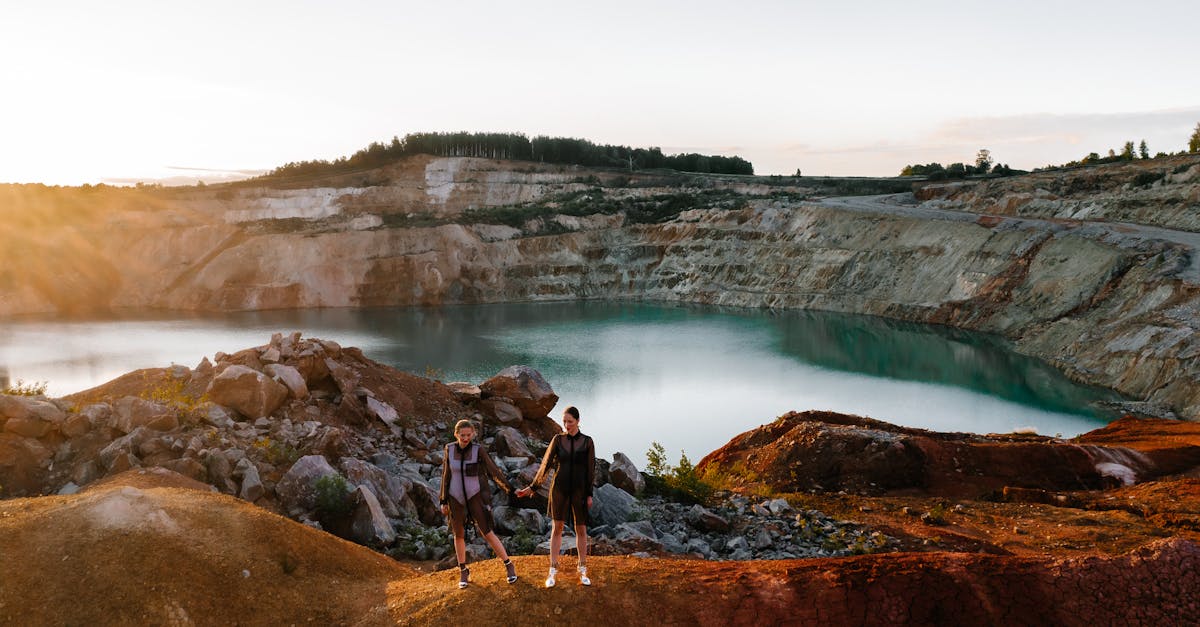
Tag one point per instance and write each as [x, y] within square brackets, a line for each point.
[688, 377]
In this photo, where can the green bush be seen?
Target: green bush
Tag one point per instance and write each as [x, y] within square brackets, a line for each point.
[1146, 178]
[523, 542]
[333, 495]
[680, 483]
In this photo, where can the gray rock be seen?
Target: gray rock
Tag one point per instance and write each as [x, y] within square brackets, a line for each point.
[737, 543]
[97, 414]
[69, 488]
[611, 505]
[778, 507]
[271, 355]
[503, 411]
[247, 391]
[511, 443]
[290, 377]
[187, 467]
[703, 519]
[75, 425]
[424, 498]
[28, 426]
[512, 520]
[465, 392]
[216, 416]
[127, 444]
[696, 545]
[641, 527]
[13, 407]
[369, 525]
[252, 488]
[526, 387]
[297, 490]
[345, 378]
[568, 545]
[382, 411]
[388, 489]
[624, 475]
[220, 472]
[672, 544]
[741, 555]
[762, 540]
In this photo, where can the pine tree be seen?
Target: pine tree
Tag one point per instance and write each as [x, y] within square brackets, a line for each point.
[1143, 150]
[1194, 142]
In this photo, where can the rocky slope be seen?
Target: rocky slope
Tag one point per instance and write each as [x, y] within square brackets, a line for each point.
[1109, 307]
[1110, 490]
[170, 484]
[148, 547]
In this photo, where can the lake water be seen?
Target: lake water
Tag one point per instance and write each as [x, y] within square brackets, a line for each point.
[688, 377]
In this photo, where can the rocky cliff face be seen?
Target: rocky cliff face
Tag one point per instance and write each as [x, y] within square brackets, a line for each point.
[1112, 308]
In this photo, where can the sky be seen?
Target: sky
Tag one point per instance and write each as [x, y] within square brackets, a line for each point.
[127, 91]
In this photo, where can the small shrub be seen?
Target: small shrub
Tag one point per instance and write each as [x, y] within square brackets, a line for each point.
[20, 388]
[935, 516]
[656, 460]
[1146, 178]
[172, 393]
[680, 483]
[276, 452]
[333, 495]
[523, 542]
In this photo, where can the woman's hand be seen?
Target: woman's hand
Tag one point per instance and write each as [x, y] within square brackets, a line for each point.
[524, 492]
[445, 510]
[589, 502]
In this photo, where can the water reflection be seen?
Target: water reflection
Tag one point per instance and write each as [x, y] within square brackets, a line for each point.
[688, 377]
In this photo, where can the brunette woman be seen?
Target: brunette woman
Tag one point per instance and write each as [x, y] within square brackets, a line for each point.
[573, 456]
[466, 497]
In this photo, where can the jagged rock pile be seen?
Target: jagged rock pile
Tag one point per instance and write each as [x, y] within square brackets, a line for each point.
[738, 529]
[328, 437]
[265, 424]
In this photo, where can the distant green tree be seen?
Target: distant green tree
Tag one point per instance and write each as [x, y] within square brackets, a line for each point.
[983, 161]
[956, 171]
[1127, 152]
[1143, 150]
[1194, 142]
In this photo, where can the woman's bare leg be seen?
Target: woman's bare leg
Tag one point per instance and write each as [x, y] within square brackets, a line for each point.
[496, 545]
[460, 548]
[581, 541]
[555, 542]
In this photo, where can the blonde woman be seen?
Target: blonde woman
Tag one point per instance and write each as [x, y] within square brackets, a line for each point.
[573, 456]
[466, 496]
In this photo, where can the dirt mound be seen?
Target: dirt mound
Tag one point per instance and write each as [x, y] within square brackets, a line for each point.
[139, 550]
[1152, 584]
[825, 451]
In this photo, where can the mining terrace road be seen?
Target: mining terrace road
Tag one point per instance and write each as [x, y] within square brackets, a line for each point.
[1123, 234]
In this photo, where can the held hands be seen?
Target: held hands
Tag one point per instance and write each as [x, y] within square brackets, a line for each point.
[445, 510]
[524, 492]
[589, 502]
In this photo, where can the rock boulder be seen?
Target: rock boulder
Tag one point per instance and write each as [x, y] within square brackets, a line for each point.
[526, 387]
[297, 490]
[247, 391]
[623, 474]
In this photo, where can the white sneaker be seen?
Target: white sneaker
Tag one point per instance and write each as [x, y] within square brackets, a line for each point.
[550, 577]
[583, 578]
